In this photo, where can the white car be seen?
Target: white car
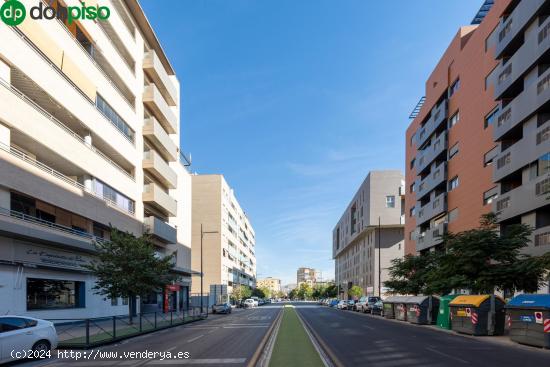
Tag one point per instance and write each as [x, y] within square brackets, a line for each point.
[342, 305]
[250, 303]
[21, 335]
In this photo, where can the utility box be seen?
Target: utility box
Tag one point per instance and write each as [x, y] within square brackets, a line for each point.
[422, 309]
[394, 307]
[477, 314]
[528, 318]
[444, 315]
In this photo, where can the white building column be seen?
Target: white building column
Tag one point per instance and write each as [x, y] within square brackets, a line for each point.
[4, 143]
[5, 71]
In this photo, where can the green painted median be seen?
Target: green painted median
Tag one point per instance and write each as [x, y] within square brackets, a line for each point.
[293, 346]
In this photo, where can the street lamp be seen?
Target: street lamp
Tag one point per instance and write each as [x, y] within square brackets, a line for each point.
[202, 272]
[379, 260]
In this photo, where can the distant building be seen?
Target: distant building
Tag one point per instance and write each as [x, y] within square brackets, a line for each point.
[286, 289]
[273, 284]
[307, 275]
[372, 222]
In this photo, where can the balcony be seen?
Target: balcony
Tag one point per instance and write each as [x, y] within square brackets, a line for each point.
[536, 45]
[431, 237]
[155, 70]
[153, 163]
[535, 143]
[430, 182]
[510, 29]
[154, 196]
[425, 157]
[525, 198]
[153, 99]
[160, 140]
[20, 225]
[436, 206]
[438, 116]
[523, 106]
[161, 229]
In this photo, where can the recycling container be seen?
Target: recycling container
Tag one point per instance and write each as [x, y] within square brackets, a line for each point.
[528, 317]
[422, 309]
[444, 316]
[394, 307]
[475, 315]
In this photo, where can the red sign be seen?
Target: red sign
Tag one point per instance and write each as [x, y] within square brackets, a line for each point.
[538, 317]
[547, 326]
[509, 321]
[173, 287]
[474, 318]
[417, 310]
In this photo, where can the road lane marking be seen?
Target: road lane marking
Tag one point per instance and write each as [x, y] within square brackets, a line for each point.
[447, 355]
[195, 338]
[244, 327]
[200, 361]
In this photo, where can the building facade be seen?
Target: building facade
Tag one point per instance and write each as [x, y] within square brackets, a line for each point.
[273, 284]
[228, 252]
[370, 234]
[89, 138]
[522, 129]
[307, 275]
[450, 152]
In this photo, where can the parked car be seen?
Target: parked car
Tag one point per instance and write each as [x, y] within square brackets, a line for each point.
[351, 305]
[370, 303]
[361, 304]
[377, 308]
[222, 308]
[342, 305]
[22, 334]
[250, 303]
[333, 303]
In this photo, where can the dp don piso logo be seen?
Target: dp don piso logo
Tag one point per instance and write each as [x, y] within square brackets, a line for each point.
[13, 12]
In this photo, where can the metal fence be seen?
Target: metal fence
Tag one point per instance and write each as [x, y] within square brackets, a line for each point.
[88, 333]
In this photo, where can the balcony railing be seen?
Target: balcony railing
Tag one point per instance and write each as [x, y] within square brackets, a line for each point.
[50, 225]
[46, 114]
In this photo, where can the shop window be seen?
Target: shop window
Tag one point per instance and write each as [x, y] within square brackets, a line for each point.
[44, 294]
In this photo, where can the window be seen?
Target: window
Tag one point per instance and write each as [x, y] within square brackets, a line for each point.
[453, 183]
[114, 118]
[489, 156]
[412, 211]
[490, 118]
[125, 301]
[544, 164]
[13, 323]
[453, 214]
[490, 195]
[412, 188]
[533, 171]
[114, 301]
[454, 87]
[44, 294]
[114, 196]
[454, 119]
[412, 163]
[453, 151]
[390, 201]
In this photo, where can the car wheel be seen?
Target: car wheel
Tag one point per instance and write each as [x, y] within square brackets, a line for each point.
[41, 346]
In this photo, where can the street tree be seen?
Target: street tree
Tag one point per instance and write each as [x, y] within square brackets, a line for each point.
[355, 292]
[410, 274]
[267, 292]
[331, 291]
[305, 291]
[258, 292]
[240, 292]
[128, 266]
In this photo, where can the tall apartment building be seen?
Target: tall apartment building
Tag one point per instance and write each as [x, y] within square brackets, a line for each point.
[522, 129]
[450, 151]
[370, 233]
[89, 137]
[273, 284]
[228, 254]
[307, 275]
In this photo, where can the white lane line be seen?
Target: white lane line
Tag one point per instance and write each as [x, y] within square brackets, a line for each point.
[245, 327]
[447, 355]
[195, 338]
[200, 361]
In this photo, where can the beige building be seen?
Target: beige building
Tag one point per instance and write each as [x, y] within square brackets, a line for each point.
[307, 275]
[273, 284]
[89, 137]
[228, 254]
[358, 237]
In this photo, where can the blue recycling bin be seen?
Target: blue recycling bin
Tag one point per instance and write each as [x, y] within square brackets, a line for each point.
[528, 317]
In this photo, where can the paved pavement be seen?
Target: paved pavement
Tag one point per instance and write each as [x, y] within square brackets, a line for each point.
[221, 340]
[364, 340]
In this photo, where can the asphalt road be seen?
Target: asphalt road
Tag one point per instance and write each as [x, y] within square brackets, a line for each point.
[364, 340]
[221, 340]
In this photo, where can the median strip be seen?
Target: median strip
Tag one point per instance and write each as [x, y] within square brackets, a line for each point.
[293, 346]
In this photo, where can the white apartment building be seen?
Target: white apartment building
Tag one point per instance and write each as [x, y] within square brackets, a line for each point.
[228, 252]
[307, 275]
[89, 137]
[370, 233]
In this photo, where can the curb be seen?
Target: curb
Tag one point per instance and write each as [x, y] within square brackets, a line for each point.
[256, 356]
[326, 354]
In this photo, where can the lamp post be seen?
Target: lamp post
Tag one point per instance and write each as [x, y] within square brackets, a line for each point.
[202, 272]
[379, 260]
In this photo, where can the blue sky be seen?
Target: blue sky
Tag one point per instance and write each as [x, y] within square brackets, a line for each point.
[295, 101]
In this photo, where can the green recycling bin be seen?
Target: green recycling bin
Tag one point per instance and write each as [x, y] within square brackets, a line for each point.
[444, 315]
